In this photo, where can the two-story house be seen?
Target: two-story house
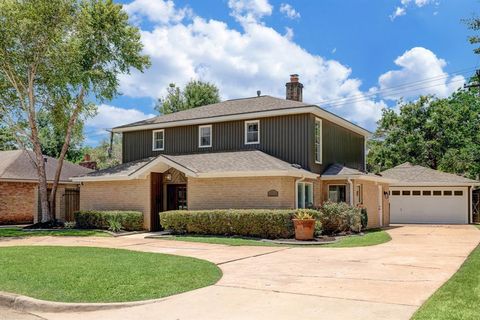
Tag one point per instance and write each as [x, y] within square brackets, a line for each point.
[259, 152]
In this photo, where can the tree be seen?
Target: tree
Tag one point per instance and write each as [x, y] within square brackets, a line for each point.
[101, 155]
[51, 132]
[56, 55]
[195, 94]
[474, 24]
[437, 133]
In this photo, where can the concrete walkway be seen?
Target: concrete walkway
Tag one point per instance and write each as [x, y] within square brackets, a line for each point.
[388, 281]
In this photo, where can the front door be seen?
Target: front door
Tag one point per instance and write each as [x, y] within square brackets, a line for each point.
[176, 197]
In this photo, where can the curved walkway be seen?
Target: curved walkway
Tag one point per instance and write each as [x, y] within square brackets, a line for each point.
[388, 281]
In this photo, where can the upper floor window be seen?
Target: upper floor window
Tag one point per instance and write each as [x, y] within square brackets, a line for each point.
[252, 132]
[158, 140]
[205, 136]
[318, 140]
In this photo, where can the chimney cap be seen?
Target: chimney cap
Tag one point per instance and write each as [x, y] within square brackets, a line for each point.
[259, 93]
[294, 77]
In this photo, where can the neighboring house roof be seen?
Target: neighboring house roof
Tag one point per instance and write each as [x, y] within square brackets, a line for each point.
[340, 172]
[17, 165]
[204, 165]
[238, 109]
[409, 174]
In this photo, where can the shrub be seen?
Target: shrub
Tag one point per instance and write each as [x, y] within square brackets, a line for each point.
[114, 223]
[364, 214]
[261, 223]
[95, 219]
[69, 224]
[339, 217]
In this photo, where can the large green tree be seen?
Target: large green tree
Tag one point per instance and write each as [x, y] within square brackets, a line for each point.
[107, 153]
[441, 134]
[195, 94]
[56, 56]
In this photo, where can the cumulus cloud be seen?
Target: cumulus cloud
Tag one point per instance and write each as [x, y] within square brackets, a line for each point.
[110, 116]
[242, 62]
[249, 11]
[158, 11]
[420, 72]
[289, 11]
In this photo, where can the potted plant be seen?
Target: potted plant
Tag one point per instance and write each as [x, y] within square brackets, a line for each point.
[304, 224]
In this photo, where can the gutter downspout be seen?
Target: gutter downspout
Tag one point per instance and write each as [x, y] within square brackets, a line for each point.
[350, 196]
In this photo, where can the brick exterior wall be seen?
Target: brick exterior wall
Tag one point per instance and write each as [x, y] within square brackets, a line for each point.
[240, 193]
[117, 195]
[17, 202]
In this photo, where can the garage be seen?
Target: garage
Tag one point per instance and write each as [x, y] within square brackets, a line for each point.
[442, 205]
[424, 195]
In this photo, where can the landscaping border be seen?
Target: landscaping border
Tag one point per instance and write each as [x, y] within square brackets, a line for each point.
[24, 303]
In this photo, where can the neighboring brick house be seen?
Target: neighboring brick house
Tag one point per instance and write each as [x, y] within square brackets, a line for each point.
[19, 187]
[259, 152]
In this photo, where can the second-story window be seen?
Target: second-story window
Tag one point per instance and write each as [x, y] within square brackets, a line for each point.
[252, 132]
[158, 140]
[318, 140]
[205, 136]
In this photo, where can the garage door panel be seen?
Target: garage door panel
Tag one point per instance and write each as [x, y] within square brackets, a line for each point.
[429, 209]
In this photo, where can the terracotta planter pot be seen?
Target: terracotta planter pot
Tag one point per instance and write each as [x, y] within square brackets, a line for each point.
[304, 229]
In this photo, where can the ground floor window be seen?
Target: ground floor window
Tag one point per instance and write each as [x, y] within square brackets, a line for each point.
[304, 195]
[337, 193]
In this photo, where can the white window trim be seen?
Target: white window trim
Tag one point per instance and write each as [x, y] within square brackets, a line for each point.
[246, 131]
[318, 120]
[200, 136]
[296, 192]
[153, 140]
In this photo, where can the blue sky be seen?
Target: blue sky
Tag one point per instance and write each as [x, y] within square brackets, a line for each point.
[354, 57]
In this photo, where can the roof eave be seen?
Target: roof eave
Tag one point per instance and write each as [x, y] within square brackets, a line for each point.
[358, 177]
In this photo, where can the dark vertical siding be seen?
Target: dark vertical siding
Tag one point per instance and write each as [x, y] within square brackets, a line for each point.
[339, 145]
[290, 138]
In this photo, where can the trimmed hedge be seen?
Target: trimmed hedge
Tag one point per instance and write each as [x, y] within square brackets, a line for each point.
[95, 219]
[262, 223]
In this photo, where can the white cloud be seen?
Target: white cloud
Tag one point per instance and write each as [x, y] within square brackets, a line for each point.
[249, 11]
[399, 11]
[241, 62]
[421, 72]
[158, 11]
[110, 116]
[289, 33]
[404, 4]
[289, 11]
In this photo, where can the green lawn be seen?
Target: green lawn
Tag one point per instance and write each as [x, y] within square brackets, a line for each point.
[371, 237]
[18, 232]
[81, 274]
[459, 297]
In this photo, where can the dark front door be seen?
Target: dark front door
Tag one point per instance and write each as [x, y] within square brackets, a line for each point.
[157, 201]
[176, 197]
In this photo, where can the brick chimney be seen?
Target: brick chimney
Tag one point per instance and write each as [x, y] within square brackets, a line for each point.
[88, 163]
[294, 89]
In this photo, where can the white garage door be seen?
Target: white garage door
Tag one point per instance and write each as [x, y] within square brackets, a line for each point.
[429, 205]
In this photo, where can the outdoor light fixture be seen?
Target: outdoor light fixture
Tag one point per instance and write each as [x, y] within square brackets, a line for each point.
[385, 193]
[168, 177]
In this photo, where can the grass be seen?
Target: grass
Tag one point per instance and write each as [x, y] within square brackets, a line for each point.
[459, 297]
[370, 238]
[81, 274]
[18, 232]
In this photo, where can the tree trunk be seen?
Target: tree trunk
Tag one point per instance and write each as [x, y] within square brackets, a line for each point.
[71, 124]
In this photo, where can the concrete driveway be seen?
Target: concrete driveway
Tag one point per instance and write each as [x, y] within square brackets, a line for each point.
[388, 281]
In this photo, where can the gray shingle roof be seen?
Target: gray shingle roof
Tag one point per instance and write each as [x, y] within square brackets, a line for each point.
[16, 165]
[208, 163]
[225, 108]
[409, 173]
[340, 170]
